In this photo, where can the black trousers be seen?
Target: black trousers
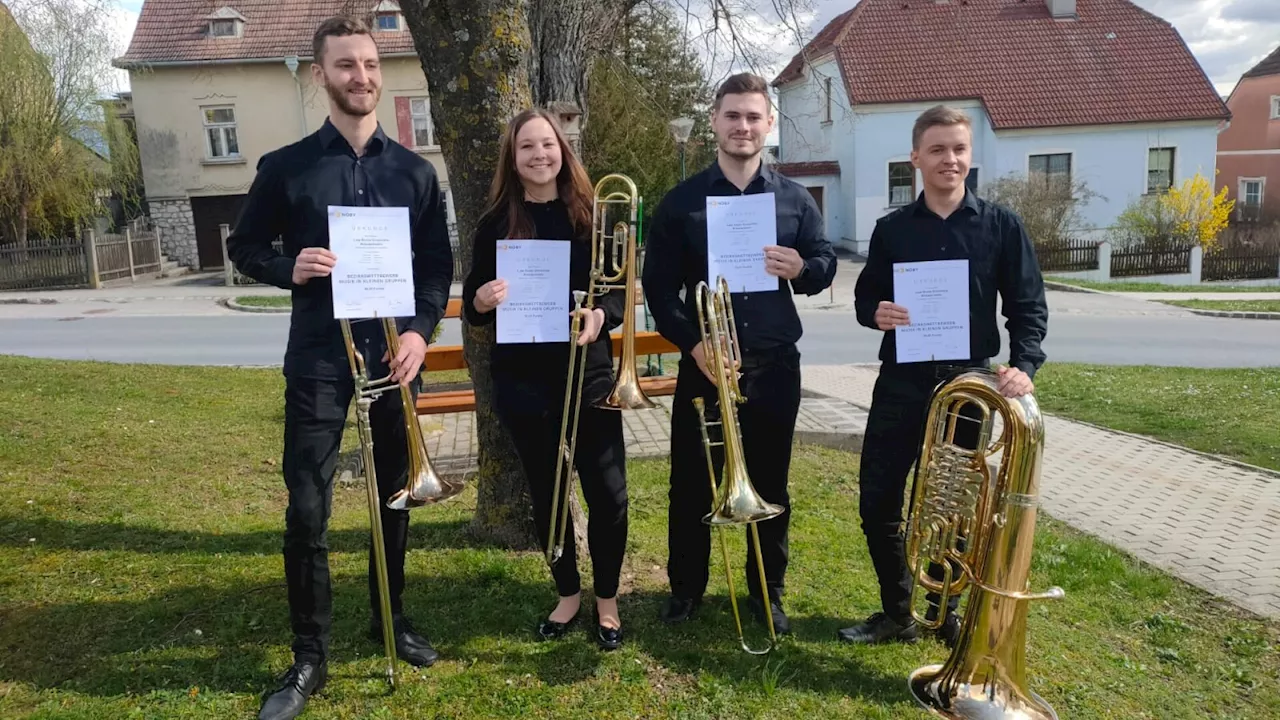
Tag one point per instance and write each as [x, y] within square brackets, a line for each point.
[531, 411]
[895, 430]
[315, 415]
[771, 384]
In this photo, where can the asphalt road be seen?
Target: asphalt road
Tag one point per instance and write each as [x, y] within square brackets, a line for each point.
[1080, 330]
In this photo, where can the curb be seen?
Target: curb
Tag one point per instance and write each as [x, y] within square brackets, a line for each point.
[231, 304]
[28, 301]
[1064, 287]
[1250, 315]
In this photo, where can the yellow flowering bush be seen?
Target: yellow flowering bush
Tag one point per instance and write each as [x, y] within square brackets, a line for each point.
[1187, 214]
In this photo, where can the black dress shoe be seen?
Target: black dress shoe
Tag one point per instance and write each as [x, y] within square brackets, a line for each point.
[410, 646]
[677, 609]
[949, 633]
[549, 629]
[608, 638]
[298, 684]
[880, 628]
[781, 625]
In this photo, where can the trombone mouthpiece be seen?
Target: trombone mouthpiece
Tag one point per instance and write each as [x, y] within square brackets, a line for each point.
[579, 296]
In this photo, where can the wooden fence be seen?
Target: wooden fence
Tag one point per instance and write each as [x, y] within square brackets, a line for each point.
[1067, 255]
[136, 252]
[44, 264]
[87, 261]
[1139, 262]
[1241, 263]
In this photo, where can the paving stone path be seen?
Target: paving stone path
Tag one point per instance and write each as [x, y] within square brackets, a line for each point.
[1211, 523]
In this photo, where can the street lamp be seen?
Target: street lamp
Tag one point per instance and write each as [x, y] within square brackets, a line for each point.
[680, 129]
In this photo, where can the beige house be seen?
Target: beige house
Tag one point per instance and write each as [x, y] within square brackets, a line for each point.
[217, 84]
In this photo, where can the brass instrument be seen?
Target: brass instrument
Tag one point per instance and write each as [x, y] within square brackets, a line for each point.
[424, 486]
[626, 393]
[986, 526]
[736, 500]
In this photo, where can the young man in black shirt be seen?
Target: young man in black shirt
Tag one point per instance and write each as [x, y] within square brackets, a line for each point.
[947, 222]
[349, 162]
[767, 326]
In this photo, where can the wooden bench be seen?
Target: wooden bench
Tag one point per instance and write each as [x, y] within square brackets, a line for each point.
[451, 357]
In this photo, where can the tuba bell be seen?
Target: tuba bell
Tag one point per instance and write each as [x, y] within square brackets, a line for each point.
[423, 487]
[964, 517]
[736, 501]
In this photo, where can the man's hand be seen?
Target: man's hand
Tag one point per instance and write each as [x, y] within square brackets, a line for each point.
[890, 316]
[592, 321]
[313, 262]
[700, 357]
[1013, 382]
[783, 262]
[490, 295]
[408, 362]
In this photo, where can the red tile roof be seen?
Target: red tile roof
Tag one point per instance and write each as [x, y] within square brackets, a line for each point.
[1116, 63]
[802, 169]
[178, 30]
[1270, 65]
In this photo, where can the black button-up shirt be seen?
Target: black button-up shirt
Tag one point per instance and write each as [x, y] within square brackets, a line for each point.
[1001, 259]
[676, 257]
[288, 199]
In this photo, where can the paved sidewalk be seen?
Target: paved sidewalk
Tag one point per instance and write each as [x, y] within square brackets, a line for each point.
[1211, 523]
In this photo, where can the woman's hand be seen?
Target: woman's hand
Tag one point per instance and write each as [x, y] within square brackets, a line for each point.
[490, 295]
[592, 321]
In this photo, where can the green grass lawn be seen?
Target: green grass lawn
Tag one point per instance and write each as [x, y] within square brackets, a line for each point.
[140, 518]
[1231, 305]
[1149, 287]
[1229, 412]
[268, 301]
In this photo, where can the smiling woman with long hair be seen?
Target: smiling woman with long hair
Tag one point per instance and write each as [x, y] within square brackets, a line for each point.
[541, 191]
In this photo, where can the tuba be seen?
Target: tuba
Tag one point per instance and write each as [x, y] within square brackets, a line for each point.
[613, 261]
[424, 486]
[736, 500]
[985, 525]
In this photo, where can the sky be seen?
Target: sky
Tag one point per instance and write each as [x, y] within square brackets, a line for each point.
[1227, 37]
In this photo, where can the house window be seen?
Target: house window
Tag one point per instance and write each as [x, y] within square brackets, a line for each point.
[1250, 205]
[420, 111]
[902, 183]
[1053, 171]
[1159, 170]
[220, 133]
[224, 28]
[826, 84]
[388, 22]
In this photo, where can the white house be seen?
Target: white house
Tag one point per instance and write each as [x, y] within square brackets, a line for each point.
[1098, 91]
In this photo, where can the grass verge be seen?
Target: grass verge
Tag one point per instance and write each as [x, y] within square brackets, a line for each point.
[269, 301]
[1229, 305]
[140, 518]
[1229, 412]
[1150, 287]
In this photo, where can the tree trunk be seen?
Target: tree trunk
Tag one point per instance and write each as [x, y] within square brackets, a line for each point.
[473, 53]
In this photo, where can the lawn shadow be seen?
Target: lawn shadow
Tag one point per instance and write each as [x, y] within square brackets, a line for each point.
[224, 638]
[51, 534]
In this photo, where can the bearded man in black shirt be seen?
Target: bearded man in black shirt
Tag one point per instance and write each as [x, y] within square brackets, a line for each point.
[947, 222]
[349, 161]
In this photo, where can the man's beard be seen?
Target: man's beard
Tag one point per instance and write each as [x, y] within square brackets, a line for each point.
[339, 96]
[727, 147]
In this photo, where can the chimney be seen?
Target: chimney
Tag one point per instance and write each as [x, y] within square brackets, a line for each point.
[1062, 9]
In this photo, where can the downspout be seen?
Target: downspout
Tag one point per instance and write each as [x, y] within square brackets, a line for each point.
[291, 62]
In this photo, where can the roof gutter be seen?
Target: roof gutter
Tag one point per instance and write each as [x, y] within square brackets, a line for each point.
[124, 64]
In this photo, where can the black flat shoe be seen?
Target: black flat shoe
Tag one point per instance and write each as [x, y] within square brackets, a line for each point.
[677, 609]
[549, 629]
[296, 686]
[608, 638]
[411, 646]
[880, 628]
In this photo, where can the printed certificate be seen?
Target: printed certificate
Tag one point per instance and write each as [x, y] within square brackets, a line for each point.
[936, 296]
[739, 227]
[537, 306]
[374, 273]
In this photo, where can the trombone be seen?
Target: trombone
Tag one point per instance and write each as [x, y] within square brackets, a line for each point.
[424, 486]
[736, 500]
[611, 270]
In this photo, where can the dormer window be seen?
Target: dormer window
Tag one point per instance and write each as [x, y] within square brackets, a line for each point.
[387, 17]
[226, 23]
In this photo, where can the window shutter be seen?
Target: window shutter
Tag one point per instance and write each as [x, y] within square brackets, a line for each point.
[404, 122]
